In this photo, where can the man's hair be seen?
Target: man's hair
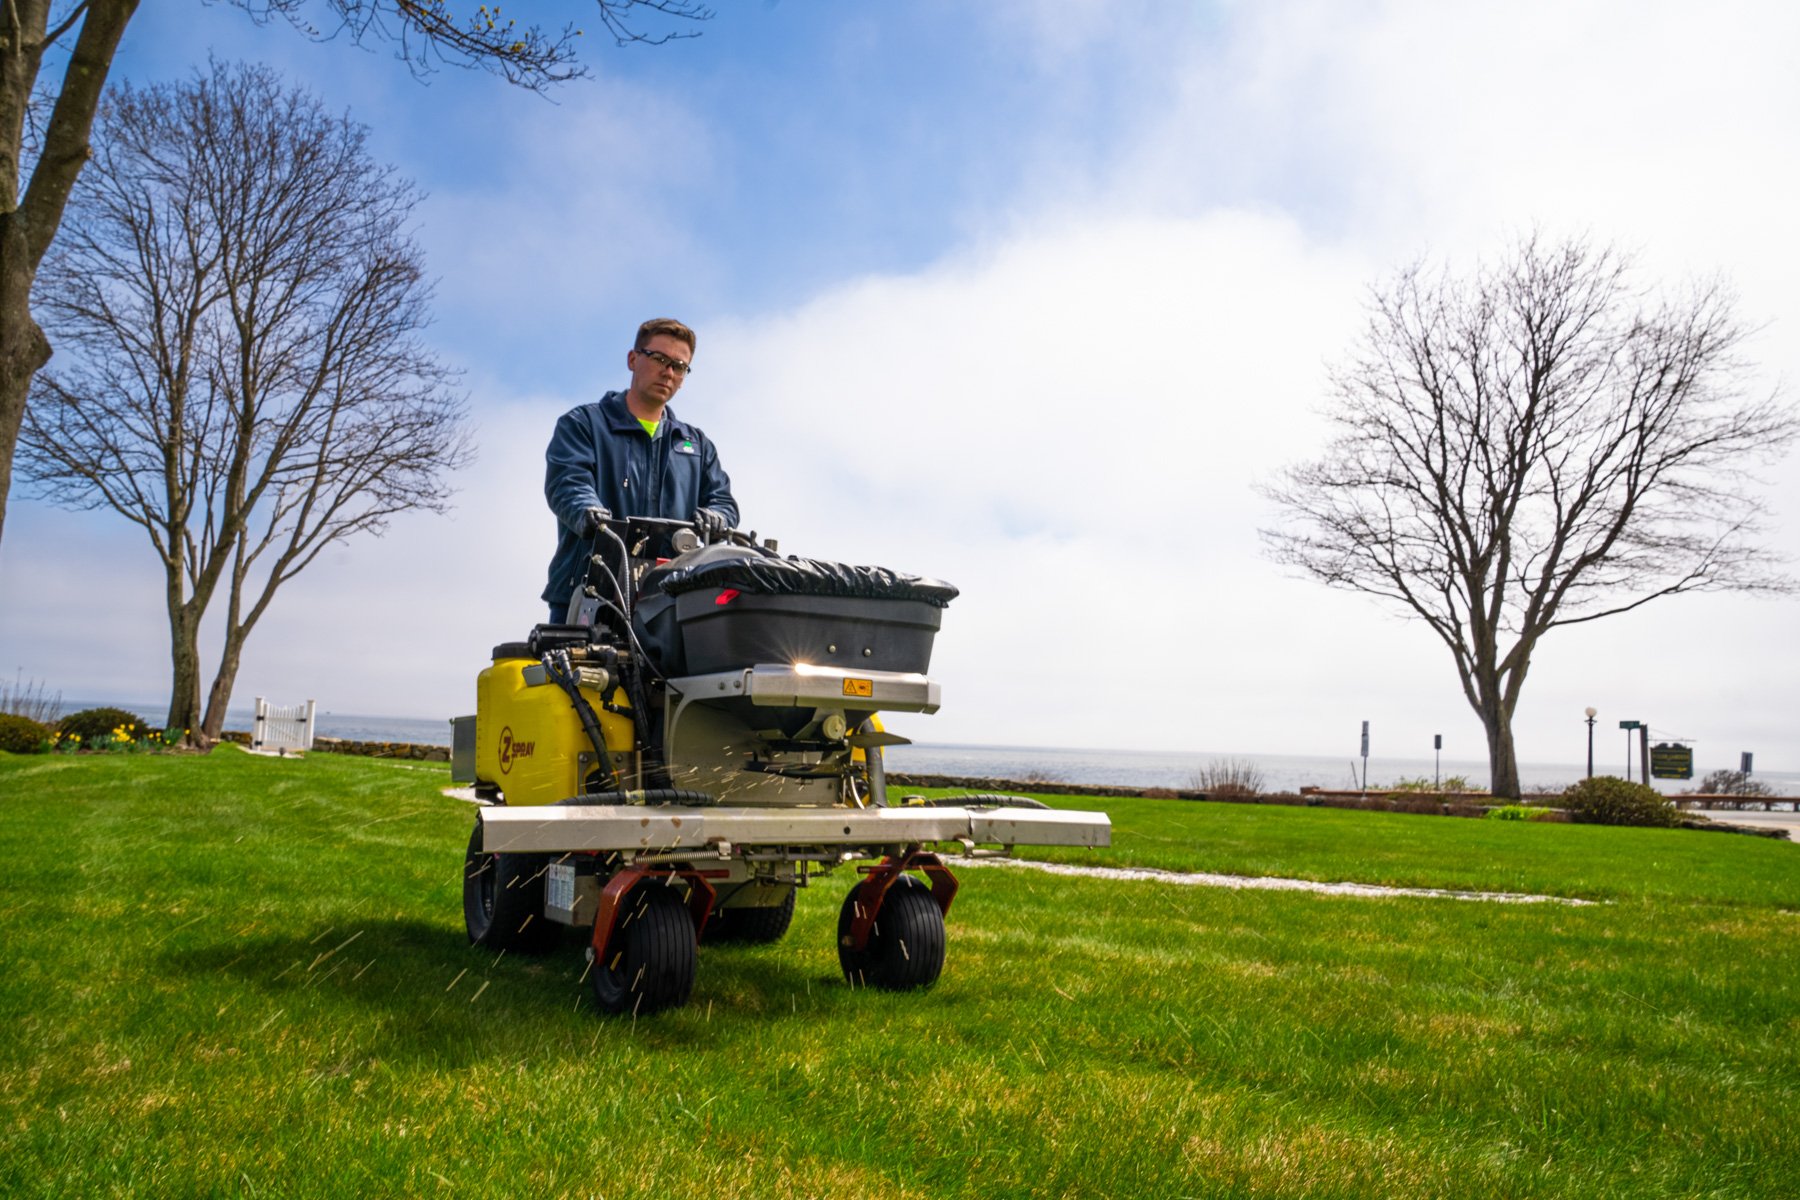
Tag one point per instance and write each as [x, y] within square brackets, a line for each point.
[664, 327]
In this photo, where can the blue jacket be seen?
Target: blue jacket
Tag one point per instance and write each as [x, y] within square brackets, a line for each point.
[599, 454]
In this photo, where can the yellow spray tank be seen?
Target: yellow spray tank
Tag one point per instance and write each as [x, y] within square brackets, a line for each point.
[532, 745]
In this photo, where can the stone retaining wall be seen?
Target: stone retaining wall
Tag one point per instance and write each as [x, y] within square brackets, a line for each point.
[326, 745]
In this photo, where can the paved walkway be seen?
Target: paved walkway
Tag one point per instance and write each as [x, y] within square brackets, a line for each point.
[1789, 820]
[1262, 882]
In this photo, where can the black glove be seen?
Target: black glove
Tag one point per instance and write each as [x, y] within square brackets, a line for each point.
[592, 519]
[711, 524]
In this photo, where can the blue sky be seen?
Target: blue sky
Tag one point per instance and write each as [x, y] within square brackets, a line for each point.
[1025, 296]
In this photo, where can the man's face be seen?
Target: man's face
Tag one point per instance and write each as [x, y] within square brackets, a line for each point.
[653, 380]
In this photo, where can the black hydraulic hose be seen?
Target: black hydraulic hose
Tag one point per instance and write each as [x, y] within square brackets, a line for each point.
[985, 800]
[633, 679]
[624, 589]
[619, 577]
[556, 665]
[646, 796]
[631, 633]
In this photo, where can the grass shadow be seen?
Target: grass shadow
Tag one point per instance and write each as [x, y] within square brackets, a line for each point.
[420, 991]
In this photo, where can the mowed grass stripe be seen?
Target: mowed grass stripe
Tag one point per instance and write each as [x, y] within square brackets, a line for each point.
[228, 975]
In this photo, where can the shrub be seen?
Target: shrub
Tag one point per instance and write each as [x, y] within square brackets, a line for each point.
[1450, 784]
[92, 724]
[1229, 777]
[1517, 812]
[22, 735]
[1609, 800]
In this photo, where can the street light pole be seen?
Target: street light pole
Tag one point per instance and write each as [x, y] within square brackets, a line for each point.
[1592, 712]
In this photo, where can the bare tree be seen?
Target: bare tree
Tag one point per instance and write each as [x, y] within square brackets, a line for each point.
[1543, 443]
[241, 303]
[40, 160]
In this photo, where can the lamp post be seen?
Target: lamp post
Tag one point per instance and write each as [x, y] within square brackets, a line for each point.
[1592, 712]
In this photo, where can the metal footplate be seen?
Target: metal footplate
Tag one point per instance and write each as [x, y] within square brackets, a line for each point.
[661, 829]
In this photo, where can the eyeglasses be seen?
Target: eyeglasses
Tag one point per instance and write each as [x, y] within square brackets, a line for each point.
[673, 364]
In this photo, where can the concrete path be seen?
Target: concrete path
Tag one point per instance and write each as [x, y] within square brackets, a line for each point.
[1265, 883]
[1789, 820]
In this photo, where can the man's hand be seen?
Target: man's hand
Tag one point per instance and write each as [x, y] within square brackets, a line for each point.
[593, 518]
[711, 523]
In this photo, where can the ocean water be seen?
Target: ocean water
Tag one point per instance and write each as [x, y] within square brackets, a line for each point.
[1279, 772]
[352, 727]
[1117, 768]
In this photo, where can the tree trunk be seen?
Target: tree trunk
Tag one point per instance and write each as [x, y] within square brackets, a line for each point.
[184, 659]
[237, 632]
[23, 347]
[218, 697]
[33, 217]
[1502, 761]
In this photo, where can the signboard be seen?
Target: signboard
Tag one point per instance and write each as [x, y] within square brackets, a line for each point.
[1671, 761]
[1744, 760]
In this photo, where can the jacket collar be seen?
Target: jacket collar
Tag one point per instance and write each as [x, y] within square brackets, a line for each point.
[620, 420]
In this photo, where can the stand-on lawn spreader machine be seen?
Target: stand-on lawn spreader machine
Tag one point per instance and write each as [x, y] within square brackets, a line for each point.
[698, 741]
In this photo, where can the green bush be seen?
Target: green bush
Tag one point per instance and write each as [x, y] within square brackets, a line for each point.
[1449, 785]
[1517, 812]
[1609, 800]
[92, 724]
[22, 735]
[1224, 778]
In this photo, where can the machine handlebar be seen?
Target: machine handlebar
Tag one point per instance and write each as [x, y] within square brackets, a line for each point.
[635, 530]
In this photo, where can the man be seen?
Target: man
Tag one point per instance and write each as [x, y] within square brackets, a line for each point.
[628, 455]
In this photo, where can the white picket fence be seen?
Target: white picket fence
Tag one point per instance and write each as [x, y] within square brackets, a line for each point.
[282, 727]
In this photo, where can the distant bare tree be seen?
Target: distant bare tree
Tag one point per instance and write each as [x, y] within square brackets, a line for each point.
[241, 304]
[1540, 444]
[1730, 783]
[55, 56]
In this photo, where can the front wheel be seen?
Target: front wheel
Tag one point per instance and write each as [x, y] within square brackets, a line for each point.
[905, 949]
[649, 961]
[503, 900]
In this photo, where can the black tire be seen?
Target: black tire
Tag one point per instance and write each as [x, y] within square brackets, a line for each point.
[649, 963]
[906, 946]
[503, 900]
[759, 925]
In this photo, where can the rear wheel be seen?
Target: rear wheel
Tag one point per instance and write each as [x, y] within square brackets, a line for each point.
[649, 961]
[762, 924]
[503, 900]
[906, 946]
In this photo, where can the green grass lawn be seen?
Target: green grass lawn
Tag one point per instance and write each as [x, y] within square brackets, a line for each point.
[240, 976]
